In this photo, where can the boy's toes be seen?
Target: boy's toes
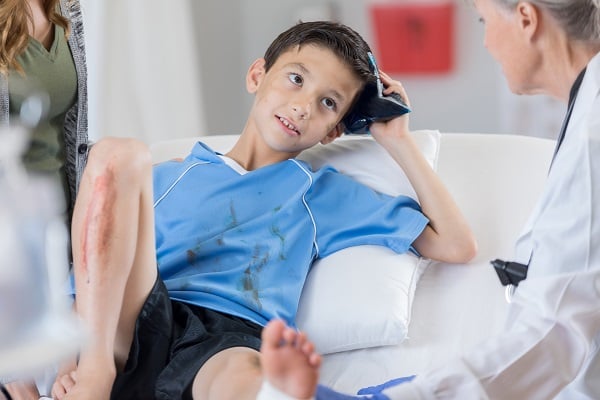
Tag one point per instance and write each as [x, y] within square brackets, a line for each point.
[272, 333]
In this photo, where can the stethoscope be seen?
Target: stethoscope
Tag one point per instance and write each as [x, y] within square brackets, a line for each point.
[509, 291]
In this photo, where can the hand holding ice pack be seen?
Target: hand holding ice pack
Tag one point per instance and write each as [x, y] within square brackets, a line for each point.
[373, 106]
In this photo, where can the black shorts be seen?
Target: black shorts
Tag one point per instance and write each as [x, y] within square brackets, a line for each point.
[172, 340]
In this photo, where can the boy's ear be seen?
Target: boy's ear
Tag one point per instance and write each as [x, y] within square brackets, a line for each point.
[335, 133]
[255, 74]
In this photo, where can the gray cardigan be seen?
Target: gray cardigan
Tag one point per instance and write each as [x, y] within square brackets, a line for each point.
[76, 122]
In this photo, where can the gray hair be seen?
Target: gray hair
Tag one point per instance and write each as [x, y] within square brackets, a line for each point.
[579, 18]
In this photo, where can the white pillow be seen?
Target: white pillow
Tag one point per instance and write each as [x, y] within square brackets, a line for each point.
[362, 296]
[362, 158]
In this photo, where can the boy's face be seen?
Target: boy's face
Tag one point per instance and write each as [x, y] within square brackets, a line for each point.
[301, 100]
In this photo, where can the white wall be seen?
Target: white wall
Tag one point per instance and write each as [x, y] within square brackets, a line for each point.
[472, 98]
[143, 70]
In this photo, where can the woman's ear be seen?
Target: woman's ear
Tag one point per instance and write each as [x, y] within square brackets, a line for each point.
[528, 18]
[335, 133]
[255, 74]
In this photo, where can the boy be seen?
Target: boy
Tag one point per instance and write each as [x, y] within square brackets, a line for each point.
[236, 235]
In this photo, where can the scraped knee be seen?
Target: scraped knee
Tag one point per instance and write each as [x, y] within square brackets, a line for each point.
[122, 159]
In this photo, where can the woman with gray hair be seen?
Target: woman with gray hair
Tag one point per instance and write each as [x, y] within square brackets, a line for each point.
[551, 346]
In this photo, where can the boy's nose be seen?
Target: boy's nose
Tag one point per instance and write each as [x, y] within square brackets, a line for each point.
[301, 110]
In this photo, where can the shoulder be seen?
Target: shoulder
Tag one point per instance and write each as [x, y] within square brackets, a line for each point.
[324, 179]
[200, 154]
[591, 80]
[325, 170]
[72, 10]
[589, 94]
[168, 175]
[3, 99]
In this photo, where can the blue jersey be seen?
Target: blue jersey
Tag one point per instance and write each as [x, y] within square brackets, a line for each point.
[243, 243]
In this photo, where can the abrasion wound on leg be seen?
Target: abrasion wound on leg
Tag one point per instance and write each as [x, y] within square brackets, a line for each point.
[99, 219]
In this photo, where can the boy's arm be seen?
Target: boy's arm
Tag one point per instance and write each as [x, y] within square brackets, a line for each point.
[448, 236]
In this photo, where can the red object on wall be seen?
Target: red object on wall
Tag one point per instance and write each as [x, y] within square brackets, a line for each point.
[414, 38]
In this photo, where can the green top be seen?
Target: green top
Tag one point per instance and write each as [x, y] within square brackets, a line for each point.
[51, 71]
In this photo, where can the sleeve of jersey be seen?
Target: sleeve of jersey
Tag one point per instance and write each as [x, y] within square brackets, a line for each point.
[348, 213]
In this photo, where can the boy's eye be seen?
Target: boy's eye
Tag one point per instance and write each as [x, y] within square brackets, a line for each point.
[295, 79]
[329, 103]
[481, 20]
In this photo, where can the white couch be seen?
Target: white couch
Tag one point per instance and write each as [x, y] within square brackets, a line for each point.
[495, 180]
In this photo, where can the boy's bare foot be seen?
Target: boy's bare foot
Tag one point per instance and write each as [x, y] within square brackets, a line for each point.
[289, 360]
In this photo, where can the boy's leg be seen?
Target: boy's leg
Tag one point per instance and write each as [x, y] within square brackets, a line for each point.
[114, 258]
[287, 362]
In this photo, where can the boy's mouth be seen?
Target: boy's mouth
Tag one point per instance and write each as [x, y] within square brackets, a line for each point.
[288, 125]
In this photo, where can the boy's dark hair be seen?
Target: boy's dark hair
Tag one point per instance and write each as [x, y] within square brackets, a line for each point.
[342, 40]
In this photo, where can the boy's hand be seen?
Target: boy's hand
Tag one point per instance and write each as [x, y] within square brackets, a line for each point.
[396, 128]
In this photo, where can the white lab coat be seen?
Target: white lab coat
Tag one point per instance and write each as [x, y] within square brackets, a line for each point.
[550, 348]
